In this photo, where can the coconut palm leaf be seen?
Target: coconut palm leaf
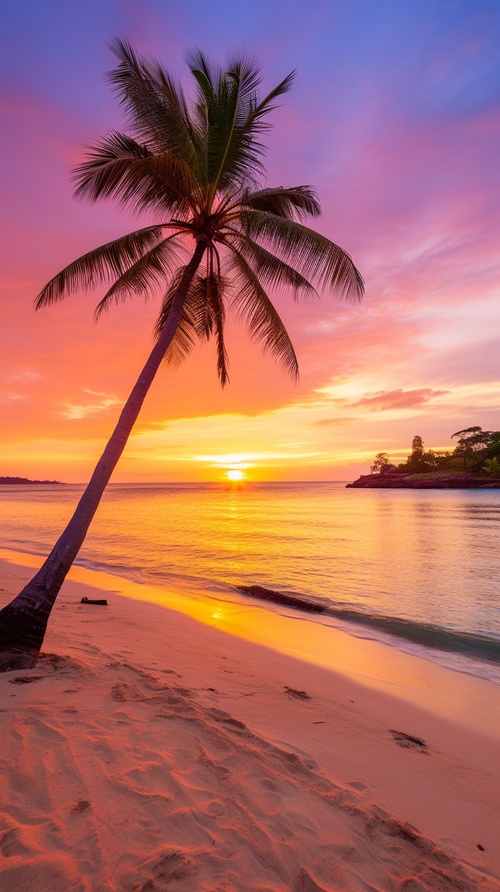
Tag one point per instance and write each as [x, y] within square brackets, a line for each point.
[230, 114]
[119, 167]
[189, 328]
[99, 265]
[186, 337]
[206, 302]
[269, 268]
[145, 276]
[294, 203]
[203, 316]
[254, 307]
[315, 256]
[108, 161]
[266, 106]
[156, 108]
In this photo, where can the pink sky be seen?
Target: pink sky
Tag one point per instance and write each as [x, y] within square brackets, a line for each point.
[394, 119]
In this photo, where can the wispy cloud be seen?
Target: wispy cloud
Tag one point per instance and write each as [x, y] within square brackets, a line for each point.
[75, 411]
[332, 422]
[26, 375]
[12, 398]
[381, 400]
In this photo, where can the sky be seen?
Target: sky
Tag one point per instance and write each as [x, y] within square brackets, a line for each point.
[394, 119]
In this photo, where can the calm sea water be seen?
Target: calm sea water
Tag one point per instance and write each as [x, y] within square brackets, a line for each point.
[417, 569]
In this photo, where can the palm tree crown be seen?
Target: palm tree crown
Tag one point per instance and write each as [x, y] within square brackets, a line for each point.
[196, 169]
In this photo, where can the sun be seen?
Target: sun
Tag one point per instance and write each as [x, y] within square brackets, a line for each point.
[235, 475]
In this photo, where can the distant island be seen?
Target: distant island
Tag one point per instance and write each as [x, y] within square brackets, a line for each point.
[473, 464]
[23, 480]
[424, 481]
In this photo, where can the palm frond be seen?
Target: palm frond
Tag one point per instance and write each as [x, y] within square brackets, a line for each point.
[119, 167]
[203, 316]
[156, 108]
[273, 272]
[206, 304]
[254, 307]
[145, 276]
[164, 181]
[221, 109]
[186, 334]
[266, 106]
[206, 73]
[294, 202]
[184, 138]
[314, 255]
[108, 161]
[245, 71]
[109, 261]
[230, 113]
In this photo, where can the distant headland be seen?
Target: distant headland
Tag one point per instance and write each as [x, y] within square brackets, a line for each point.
[424, 481]
[474, 463]
[23, 480]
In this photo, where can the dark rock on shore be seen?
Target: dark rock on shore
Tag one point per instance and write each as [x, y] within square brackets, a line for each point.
[424, 481]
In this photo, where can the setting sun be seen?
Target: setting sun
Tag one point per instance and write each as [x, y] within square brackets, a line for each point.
[235, 475]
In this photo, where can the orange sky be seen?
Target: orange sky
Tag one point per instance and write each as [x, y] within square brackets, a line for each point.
[396, 123]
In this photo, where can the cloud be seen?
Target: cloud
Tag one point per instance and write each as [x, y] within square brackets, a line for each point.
[26, 375]
[12, 398]
[323, 422]
[77, 411]
[381, 400]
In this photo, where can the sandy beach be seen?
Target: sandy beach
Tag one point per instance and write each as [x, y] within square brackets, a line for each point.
[151, 749]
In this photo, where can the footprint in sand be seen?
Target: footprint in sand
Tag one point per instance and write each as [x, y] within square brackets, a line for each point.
[82, 805]
[357, 785]
[306, 883]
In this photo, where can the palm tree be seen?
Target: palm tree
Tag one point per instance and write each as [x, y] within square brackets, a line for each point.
[221, 240]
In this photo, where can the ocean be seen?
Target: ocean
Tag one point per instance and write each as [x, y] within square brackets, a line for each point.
[416, 569]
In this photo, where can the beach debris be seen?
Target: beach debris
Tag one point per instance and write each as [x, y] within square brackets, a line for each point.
[408, 742]
[269, 594]
[25, 679]
[299, 695]
[101, 601]
[480, 847]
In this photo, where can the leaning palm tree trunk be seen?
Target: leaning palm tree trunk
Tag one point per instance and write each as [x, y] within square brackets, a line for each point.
[24, 621]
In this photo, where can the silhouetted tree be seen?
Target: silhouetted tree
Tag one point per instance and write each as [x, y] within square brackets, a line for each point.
[417, 445]
[472, 443]
[382, 464]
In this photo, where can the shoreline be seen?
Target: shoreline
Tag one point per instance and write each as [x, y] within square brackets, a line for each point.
[232, 758]
[459, 697]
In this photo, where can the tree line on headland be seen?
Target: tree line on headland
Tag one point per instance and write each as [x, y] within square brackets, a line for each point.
[22, 480]
[477, 452]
